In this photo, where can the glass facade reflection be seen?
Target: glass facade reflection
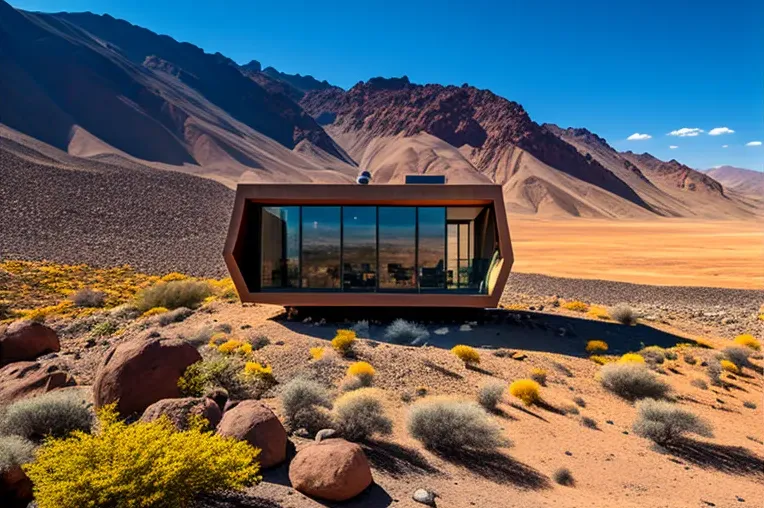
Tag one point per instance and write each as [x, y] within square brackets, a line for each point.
[281, 247]
[377, 248]
[397, 247]
[321, 247]
[359, 248]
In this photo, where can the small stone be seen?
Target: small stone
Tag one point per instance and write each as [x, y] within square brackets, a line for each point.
[424, 496]
[280, 343]
[740, 499]
[568, 453]
[609, 422]
[324, 434]
[519, 356]
[244, 327]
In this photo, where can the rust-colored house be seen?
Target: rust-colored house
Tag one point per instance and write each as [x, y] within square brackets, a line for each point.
[369, 245]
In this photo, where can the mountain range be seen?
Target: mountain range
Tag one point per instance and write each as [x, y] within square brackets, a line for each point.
[95, 89]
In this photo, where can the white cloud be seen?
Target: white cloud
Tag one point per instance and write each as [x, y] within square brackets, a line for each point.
[686, 132]
[638, 137]
[673, 147]
[725, 146]
[718, 131]
[753, 143]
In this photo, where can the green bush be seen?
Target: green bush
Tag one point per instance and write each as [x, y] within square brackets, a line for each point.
[450, 426]
[490, 394]
[360, 414]
[305, 403]
[14, 451]
[664, 423]
[216, 371]
[632, 381]
[55, 414]
[172, 295]
[142, 464]
[103, 329]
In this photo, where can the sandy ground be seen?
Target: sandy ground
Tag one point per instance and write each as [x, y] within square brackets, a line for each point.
[674, 252]
[611, 465]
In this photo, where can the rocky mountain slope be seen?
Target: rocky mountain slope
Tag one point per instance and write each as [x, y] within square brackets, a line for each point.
[92, 84]
[743, 180]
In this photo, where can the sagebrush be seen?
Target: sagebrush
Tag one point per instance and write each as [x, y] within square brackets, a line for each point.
[88, 297]
[360, 414]
[490, 394]
[54, 414]
[305, 403]
[623, 314]
[450, 426]
[174, 294]
[664, 423]
[401, 331]
[632, 381]
[14, 451]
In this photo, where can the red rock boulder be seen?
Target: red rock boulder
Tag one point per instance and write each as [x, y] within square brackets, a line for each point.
[179, 411]
[253, 422]
[15, 488]
[25, 379]
[27, 340]
[334, 470]
[140, 372]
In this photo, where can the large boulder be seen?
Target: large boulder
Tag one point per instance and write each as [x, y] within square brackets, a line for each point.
[137, 373]
[27, 340]
[253, 422]
[180, 411]
[25, 379]
[15, 488]
[334, 470]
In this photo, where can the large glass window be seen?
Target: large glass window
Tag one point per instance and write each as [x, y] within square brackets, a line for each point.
[397, 247]
[432, 247]
[280, 247]
[359, 248]
[321, 247]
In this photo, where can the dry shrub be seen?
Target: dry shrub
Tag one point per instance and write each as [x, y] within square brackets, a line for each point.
[580, 402]
[576, 306]
[749, 341]
[689, 359]
[174, 294]
[539, 375]
[632, 381]
[450, 426]
[588, 422]
[699, 383]
[174, 316]
[305, 403]
[14, 451]
[526, 390]
[664, 423]
[749, 404]
[654, 355]
[623, 314]
[596, 346]
[714, 372]
[563, 476]
[54, 414]
[490, 394]
[401, 331]
[360, 414]
[738, 355]
[466, 354]
[88, 297]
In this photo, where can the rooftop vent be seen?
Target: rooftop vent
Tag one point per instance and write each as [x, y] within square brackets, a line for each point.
[364, 178]
[426, 179]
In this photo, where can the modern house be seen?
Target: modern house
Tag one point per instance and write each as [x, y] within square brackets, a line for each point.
[369, 245]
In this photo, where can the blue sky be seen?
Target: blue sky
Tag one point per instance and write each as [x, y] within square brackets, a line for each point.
[617, 68]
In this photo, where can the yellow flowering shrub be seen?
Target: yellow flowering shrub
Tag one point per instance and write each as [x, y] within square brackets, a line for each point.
[598, 312]
[729, 367]
[316, 353]
[235, 346]
[343, 341]
[466, 354]
[258, 371]
[526, 390]
[748, 340]
[217, 339]
[174, 276]
[154, 311]
[600, 360]
[141, 464]
[631, 358]
[575, 305]
[596, 346]
[361, 369]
